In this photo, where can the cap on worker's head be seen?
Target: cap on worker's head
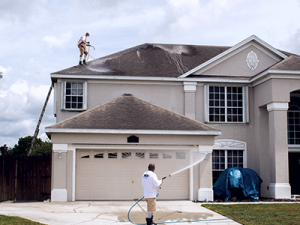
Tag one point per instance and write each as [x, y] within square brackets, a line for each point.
[88, 33]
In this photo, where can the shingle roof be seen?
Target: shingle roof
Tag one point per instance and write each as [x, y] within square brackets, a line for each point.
[148, 60]
[128, 112]
[290, 63]
[151, 60]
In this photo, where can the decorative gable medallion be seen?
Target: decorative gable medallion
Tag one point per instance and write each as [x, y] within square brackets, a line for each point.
[252, 60]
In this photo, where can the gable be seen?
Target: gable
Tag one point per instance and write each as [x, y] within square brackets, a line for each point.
[246, 61]
[227, 62]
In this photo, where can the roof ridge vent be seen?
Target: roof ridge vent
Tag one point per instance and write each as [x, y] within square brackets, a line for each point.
[127, 94]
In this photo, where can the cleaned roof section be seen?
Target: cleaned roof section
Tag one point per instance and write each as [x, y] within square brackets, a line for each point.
[128, 112]
[148, 60]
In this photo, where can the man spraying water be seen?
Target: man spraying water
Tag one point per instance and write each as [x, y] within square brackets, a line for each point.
[151, 185]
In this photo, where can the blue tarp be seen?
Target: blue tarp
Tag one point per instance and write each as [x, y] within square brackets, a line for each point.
[244, 179]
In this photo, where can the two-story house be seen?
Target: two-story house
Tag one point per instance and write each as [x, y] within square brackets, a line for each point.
[160, 103]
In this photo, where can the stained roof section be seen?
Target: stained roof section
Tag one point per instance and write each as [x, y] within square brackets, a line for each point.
[148, 60]
[156, 60]
[128, 112]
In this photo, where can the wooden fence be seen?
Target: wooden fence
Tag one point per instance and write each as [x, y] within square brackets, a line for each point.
[25, 178]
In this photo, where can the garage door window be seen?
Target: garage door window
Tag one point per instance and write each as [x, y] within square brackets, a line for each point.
[167, 156]
[98, 155]
[180, 155]
[112, 155]
[153, 155]
[140, 155]
[85, 156]
[126, 155]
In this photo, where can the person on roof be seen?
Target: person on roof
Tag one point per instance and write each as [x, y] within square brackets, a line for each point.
[82, 47]
[151, 185]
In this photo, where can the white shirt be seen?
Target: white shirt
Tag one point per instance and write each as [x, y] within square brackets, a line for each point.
[150, 184]
[82, 38]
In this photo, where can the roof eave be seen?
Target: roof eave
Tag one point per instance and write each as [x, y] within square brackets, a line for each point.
[276, 74]
[49, 131]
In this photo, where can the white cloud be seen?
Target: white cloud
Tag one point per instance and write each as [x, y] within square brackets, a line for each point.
[58, 40]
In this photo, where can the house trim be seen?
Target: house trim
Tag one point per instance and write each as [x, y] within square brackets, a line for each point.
[279, 74]
[112, 131]
[283, 106]
[59, 195]
[280, 190]
[237, 46]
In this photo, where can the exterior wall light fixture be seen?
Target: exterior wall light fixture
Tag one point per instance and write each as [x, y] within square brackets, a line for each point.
[59, 154]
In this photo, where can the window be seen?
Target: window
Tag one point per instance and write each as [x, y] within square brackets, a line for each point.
[112, 155]
[99, 156]
[167, 156]
[293, 121]
[140, 155]
[226, 104]
[223, 159]
[126, 155]
[180, 155]
[153, 155]
[74, 95]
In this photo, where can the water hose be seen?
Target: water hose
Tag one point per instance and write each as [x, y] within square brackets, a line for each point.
[187, 221]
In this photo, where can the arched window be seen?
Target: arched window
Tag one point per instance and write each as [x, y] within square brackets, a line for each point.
[227, 153]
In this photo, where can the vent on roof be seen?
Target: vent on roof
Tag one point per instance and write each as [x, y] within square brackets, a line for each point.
[127, 94]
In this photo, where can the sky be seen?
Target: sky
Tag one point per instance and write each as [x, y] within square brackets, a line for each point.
[39, 37]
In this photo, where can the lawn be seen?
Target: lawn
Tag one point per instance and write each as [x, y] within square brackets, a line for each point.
[15, 220]
[286, 213]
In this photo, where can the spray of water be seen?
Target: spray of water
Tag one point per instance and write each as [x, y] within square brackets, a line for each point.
[198, 160]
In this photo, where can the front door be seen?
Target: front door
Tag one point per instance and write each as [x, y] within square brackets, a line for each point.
[294, 172]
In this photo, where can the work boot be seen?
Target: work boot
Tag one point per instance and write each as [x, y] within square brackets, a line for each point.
[149, 221]
[152, 221]
[84, 62]
[80, 63]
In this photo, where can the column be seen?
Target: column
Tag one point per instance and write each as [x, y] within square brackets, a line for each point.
[190, 99]
[59, 173]
[205, 191]
[279, 174]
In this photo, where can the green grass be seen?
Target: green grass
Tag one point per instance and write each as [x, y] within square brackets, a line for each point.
[15, 220]
[287, 213]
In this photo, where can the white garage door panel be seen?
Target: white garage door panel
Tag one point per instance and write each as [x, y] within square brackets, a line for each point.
[99, 193]
[84, 181]
[99, 177]
[98, 182]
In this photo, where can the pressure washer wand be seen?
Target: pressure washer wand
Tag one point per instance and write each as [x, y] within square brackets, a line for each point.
[166, 177]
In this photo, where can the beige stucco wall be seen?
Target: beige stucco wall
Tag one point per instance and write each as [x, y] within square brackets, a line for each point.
[236, 64]
[271, 130]
[168, 95]
[122, 139]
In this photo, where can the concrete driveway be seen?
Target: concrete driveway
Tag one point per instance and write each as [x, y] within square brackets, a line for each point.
[111, 212]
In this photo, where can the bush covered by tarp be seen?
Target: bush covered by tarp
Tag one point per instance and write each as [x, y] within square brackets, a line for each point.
[244, 179]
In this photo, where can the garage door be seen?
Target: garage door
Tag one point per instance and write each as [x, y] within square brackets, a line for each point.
[116, 175]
